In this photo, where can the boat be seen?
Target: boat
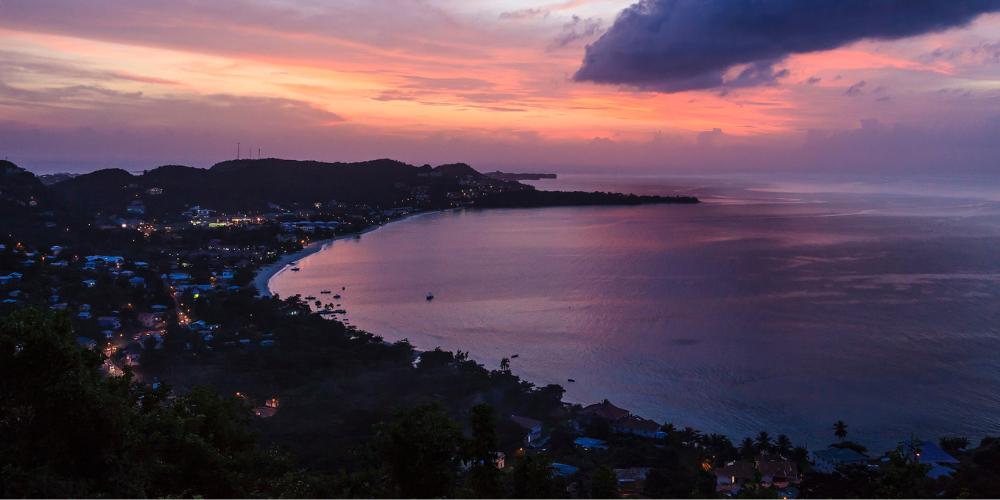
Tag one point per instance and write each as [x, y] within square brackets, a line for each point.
[295, 269]
[337, 296]
[343, 288]
[570, 380]
[514, 356]
[326, 291]
[339, 311]
[430, 296]
[310, 297]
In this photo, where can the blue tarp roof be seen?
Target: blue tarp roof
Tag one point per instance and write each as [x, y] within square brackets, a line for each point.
[564, 470]
[929, 452]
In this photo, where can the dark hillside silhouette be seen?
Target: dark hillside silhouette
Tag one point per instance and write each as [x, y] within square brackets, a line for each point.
[250, 185]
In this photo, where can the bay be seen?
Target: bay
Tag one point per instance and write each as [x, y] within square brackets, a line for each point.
[780, 303]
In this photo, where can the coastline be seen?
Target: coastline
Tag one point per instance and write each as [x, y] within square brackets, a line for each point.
[262, 279]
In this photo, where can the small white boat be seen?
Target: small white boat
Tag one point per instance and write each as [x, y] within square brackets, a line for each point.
[295, 269]
[337, 296]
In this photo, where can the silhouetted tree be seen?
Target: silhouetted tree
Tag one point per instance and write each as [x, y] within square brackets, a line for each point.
[903, 476]
[953, 444]
[483, 476]
[531, 477]
[783, 445]
[840, 430]
[747, 449]
[604, 483]
[764, 444]
[417, 449]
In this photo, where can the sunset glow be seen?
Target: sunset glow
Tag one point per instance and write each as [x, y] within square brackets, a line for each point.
[116, 84]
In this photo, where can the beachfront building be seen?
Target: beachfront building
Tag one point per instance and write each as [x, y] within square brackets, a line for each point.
[776, 469]
[533, 426]
[590, 443]
[734, 474]
[604, 410]
[827, 461]
[632, 480]
[639, 426]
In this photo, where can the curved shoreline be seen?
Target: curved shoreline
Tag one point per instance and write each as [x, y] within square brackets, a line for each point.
[262, 280]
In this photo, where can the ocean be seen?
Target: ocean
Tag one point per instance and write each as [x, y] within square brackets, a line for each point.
[779, 303]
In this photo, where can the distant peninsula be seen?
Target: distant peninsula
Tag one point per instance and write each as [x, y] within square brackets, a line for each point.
[505, 176]
[261, 185]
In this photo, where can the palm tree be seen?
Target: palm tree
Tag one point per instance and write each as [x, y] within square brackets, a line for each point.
[783, 445]
[747, 449]
[763, 443]
[840, 430]
[505, 365]
[689, 435]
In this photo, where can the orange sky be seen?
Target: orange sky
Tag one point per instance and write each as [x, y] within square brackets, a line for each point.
[485, 82]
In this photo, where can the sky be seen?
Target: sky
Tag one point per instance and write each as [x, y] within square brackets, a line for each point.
[659, 86]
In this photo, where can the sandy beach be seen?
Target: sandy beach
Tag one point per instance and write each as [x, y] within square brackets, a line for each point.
[264, 275]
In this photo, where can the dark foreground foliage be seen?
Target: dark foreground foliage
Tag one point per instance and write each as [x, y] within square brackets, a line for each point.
[365, 419]
[66, 430]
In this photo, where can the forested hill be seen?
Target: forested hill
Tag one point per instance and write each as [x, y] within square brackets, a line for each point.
[261, 186]
[249, 185]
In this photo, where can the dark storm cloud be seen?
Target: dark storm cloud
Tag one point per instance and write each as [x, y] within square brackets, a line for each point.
[677, 45]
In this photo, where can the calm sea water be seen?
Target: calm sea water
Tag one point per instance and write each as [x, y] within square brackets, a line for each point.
[779, 305]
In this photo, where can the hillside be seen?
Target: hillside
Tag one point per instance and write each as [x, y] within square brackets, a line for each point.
[250, 185]
[30, 210]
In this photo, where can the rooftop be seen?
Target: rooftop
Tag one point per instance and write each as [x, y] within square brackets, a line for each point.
[844, 455]
[639, 424]
[527, 423]
[930, 453]
[590, 442]
[605, 410]
[741, 470]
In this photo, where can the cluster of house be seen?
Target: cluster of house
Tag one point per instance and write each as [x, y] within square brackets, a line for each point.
[31, 259]
[309, 226]
[782, 474]
[774, 470]
[123, 223]
[472, 188]
[10, 279]
[831, 459]
[620, 421]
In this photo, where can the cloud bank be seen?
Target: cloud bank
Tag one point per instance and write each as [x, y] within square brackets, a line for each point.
[678, 45]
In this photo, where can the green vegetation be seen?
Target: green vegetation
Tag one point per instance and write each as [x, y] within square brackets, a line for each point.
[363, 419]
[66, 430]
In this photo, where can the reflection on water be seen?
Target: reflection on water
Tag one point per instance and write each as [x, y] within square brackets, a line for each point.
[783, 306]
